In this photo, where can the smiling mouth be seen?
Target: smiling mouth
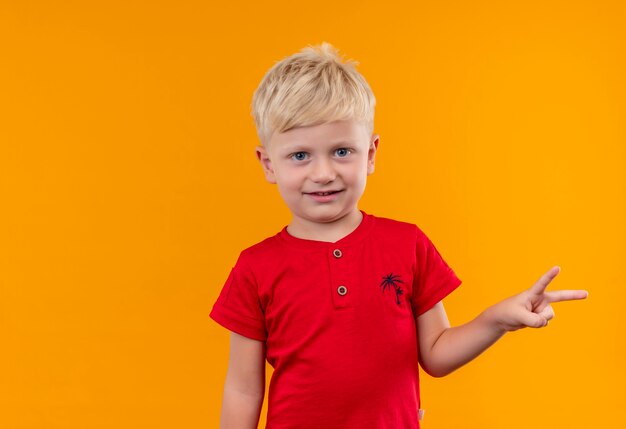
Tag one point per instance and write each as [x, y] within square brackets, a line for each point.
[321, 194]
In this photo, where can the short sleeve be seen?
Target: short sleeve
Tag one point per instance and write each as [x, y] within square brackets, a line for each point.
[238, 307]
[434, 279]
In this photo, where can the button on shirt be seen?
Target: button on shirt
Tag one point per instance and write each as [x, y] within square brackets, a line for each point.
[338, 320]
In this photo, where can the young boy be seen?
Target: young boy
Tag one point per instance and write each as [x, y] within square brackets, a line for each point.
[341, 303]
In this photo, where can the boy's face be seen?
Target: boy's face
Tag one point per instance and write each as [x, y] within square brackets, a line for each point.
[320, 170]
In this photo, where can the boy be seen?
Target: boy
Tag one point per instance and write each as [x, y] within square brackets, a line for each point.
[342, 304]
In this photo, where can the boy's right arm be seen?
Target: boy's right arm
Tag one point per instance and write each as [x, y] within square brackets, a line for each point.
[244, 388]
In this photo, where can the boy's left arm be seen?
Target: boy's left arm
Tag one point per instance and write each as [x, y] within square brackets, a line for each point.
[443, 349]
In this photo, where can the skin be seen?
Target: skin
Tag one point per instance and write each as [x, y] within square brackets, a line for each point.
[338, 156]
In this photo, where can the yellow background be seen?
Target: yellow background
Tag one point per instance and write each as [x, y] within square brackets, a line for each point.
[129, 186]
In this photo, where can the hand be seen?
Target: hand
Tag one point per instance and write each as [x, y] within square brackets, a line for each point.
[531, 308]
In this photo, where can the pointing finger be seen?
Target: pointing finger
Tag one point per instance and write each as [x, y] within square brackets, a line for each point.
[565, 295]
[541, 285]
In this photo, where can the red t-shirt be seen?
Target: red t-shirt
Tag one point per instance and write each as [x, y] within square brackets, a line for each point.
[339, 324]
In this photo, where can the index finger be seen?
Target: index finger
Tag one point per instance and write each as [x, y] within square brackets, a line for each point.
[541, 285]
[565, 295]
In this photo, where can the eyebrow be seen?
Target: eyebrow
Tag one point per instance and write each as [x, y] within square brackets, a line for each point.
[343, 142]
[295, 147]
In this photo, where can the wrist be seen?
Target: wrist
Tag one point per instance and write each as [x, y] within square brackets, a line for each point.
[492, 322]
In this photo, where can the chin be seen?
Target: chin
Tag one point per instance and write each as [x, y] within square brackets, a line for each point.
[329, 218]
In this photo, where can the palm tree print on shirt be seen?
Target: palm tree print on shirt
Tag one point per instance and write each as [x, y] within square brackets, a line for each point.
[391, 280]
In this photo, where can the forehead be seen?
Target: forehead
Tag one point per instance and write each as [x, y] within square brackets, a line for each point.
[345, 131]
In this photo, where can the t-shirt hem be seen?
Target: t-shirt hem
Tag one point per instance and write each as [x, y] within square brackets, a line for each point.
[238, 328]
[441, 294]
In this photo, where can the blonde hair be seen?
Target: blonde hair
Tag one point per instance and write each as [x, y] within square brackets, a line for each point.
[311, 87]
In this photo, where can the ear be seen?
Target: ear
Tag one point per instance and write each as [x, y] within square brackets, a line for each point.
[371, 153]
[266, 163]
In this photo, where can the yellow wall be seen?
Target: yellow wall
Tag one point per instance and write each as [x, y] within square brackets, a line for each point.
[129, 186]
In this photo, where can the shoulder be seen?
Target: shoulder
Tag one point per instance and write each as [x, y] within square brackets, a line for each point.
[396, 227]
[262, 252]
[399, 230]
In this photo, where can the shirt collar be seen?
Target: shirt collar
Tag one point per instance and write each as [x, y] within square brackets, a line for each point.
[354, 237]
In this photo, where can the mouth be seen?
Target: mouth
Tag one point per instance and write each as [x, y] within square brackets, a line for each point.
[324, 197]
[322, 194]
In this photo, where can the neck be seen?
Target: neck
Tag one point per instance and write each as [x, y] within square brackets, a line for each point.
[328, 231]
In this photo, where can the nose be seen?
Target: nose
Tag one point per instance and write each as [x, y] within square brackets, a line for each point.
[322, 171]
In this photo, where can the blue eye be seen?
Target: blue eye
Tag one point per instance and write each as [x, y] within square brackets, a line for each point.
[299, 156]
[342, 153]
